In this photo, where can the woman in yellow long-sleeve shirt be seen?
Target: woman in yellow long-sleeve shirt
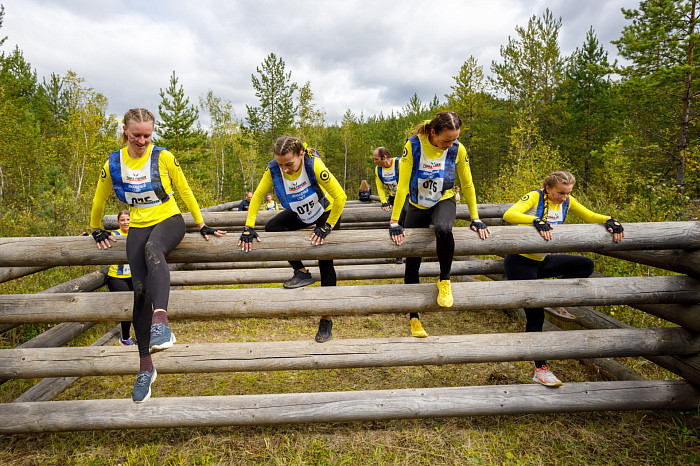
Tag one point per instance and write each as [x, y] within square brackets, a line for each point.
[543, 208]
[312, 197]
[143, 176]
[430, 159]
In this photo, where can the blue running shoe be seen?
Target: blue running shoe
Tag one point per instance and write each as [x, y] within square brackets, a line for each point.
[127, 342]
[142, 387]
[161, 338]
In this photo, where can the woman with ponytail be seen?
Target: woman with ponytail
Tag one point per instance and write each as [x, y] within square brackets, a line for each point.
[430, 160]
[543, 209]
[312, 197]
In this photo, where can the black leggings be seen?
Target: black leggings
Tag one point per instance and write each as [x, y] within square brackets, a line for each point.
[442, 215]
[518, 267]
[287, 220]
[121, 284]
[146, 249]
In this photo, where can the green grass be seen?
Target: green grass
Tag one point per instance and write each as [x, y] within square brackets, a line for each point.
[589, 438]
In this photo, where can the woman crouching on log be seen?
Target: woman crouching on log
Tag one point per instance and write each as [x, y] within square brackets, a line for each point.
[312, 197]
[143, 176]
[430, 159]
[543, 209]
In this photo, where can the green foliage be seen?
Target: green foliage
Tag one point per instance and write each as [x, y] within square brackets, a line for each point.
[175, 130]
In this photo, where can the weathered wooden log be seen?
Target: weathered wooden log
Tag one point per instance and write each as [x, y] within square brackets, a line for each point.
[7, 327]
[353, 300]
[337, 354]
[350, 245]
[218, 208]
[10, 273]
[85, 283]
[275, 264]
[678, 260]
[347, 406]
[372, 213]
[353, 272]
[49, 388]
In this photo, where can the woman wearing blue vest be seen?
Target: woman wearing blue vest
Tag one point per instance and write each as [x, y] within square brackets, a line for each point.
[430, 160]
[543, 209]
[312, 197]
[119, 276]
[143, 176]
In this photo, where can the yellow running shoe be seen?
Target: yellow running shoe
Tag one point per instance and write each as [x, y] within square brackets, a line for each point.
[444, 294]
[417, 329]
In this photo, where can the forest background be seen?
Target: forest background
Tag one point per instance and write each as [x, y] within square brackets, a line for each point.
[629, 133]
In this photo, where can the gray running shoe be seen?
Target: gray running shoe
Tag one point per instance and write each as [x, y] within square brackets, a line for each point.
[161, 338]
[300, 279]
[142, 387]
[325, 332]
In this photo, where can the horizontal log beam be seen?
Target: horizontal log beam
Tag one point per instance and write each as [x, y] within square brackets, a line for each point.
[369, 213]
[349, 272]
[274, 264]
[347, 406]
[10, 273]
[351, 245]
[678, 260]
[353, 300]
[338, 354]
[218, 208]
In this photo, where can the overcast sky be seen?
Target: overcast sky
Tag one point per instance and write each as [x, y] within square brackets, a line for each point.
[366, 56]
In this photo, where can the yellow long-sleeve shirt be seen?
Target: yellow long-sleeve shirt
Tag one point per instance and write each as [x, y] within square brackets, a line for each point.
[170, 174]
[523, 213]
[328, 183]
[381, 187]
[432, 152]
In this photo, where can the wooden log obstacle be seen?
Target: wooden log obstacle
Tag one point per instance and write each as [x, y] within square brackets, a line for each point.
[681, 293]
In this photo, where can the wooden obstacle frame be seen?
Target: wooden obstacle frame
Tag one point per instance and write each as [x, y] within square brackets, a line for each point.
[359, 254]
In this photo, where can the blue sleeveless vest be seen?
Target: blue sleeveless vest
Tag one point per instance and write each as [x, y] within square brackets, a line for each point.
[156, 185]
[278, 182]
[394, 177]
[540, 207]
[449, 171]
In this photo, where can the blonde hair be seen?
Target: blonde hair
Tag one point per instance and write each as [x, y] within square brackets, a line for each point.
[550, 181]
[137, 115]
[364, 186]
[287, 144]
[442, 121]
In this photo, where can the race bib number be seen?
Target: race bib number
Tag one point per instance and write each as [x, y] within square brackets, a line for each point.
[429, 188]
[124, 269]
[308, 209]
[141, 199]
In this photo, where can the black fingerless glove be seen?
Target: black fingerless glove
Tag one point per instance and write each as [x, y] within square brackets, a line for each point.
[395, 230]
[205, 230]
[100, 235]
[323, 231]
[478, 224]
[386, 204]
[252, 234]
[614, 225]
[541, 226]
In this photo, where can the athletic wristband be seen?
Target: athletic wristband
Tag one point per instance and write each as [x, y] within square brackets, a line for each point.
[205, 230]
[478, 224]
[396, 230]
[100, 235]
[541, 226]
[323, 231]
[252, 234]
[614, 225]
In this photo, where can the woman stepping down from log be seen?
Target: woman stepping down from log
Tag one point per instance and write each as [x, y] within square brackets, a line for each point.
[430, 159]
[119, 276]
[312, 197]
[545, 208]
[143, 176]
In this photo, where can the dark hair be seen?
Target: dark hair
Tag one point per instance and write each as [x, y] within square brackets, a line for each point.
[287, 144]
[383, 152]
[136, 115]
[441, 121]
[123, 212]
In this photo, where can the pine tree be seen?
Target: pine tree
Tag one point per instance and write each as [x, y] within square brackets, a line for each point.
[276, 112]
[664, 76]
[175, 130]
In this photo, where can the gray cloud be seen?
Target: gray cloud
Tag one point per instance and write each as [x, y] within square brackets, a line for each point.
[365, 56]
